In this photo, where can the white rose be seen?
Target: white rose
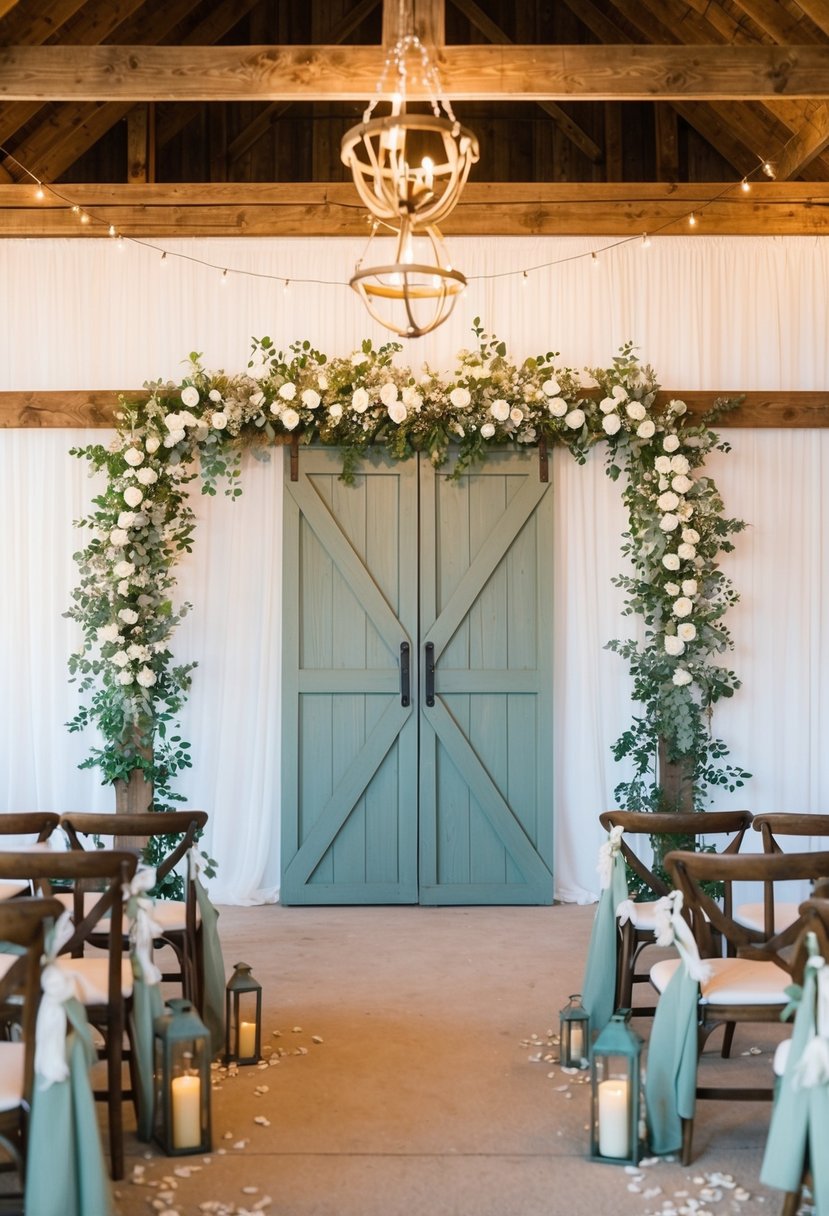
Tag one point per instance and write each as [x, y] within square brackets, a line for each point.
[219, 421]
[635, 410]
[685, 511]
[460, 398]
[289, 419]
[690, 535]
[173, 438]
[147, 476]
[671, 589]
[133, 497]
[683, 606]
[670, 561]
[487, 430]
[133, 457]
[153, 443]
[388, 393]
[686, 551]
[118, 537]
[681, 483]
[187, 419]
[335, 412]
[121, 658]
[214, 395]
[618, 393]
[190, 396]
[681, 676]
[411, 398]
[322, 381]
[173, 422]
[123, 569]
[128, 615]
[557, 407]
[680, 464]
[136, 652]
[516, 415]
[146, 677]
[676, 406]
[287, 391]
[123, 587]
[689, 586]
[674, 645]
[398, 412]
[668, 522]
[575, 419]
[126, 519]
[125, 677]
[667, 501]
[686, 631]
[607, 405]
[551, 387]
[107, 633]
[611, 423]
[499, 410]
[359, 400]
[310, 398]
[670, 443]
[646, 429]
[257, 398]
[664, 484]
[662, 464]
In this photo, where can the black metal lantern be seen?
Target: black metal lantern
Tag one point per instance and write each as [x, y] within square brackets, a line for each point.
[615, 1092]
[574, 1034]
[243, 1017]
[181, 1070]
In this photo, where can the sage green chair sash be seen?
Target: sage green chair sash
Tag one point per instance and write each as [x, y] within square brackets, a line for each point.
[212, 970]
[147, 1005]
[65, 1170]
[671, 1079]
[799, 1131]
[599, 983]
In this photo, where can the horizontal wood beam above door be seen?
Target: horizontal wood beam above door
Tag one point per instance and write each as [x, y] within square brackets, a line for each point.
[350, 73]
[157, 210]
[96, 409]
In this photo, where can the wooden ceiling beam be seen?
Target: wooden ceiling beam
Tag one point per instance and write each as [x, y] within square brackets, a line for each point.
[804, 146]
[96, 408]
[622, 209]
[6, 6]
[577, 136]
[427, 18]
[817, 11]
[495, 73]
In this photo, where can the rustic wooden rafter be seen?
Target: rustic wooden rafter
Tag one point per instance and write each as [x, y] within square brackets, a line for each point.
[497, 73]
[96, 409]
[602, 209]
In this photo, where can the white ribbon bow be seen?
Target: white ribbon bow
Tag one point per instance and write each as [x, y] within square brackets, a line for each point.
[670, 929]
[607, 855]
[813, 1066]
[194, 863]
[57, 987]
[143, 929]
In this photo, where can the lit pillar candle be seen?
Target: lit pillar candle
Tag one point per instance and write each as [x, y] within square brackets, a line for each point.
[614, 1129]
[247, 1039]
[186, 1103]
[577, 1041]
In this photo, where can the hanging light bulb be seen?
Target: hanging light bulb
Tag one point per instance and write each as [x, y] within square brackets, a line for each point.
[416, 291]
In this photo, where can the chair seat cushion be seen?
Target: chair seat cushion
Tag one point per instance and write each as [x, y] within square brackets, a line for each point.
[170, 914]
[753, 916]
[9, 887]
[641, 915]
[11, 1075]
[91, 978]
[734, 981]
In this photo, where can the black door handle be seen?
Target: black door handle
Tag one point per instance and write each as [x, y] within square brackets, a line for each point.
[404, 674]
[430, 673]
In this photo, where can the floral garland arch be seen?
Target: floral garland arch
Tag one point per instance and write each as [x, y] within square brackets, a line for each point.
[142, 522]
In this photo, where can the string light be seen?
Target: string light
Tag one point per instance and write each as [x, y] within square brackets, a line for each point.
[764, 166]
[286, 286]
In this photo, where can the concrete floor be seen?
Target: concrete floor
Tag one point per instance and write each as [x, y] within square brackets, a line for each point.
[427, 1093]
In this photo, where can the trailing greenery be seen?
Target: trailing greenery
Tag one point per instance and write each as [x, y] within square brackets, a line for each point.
[141, 523]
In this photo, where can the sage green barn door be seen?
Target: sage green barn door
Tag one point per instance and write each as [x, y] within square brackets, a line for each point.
[486, 824]
[349, 759]
[446, 798]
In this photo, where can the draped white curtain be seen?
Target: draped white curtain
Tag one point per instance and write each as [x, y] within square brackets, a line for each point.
[709, 313]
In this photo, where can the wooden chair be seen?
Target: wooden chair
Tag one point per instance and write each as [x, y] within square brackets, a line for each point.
[103, 984]
[37, 827]
[178, 919]
[748, 985]
[681, 828]
[773, 914]
[22, 926]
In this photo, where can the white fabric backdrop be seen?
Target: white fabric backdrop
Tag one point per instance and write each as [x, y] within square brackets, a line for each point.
[712, 313]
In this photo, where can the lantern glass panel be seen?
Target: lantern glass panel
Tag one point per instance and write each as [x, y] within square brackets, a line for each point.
[574, 1034]
[615, 1093]
[243, 1010]
[181, 1060]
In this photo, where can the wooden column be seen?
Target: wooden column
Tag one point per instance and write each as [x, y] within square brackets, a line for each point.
[676, 781]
